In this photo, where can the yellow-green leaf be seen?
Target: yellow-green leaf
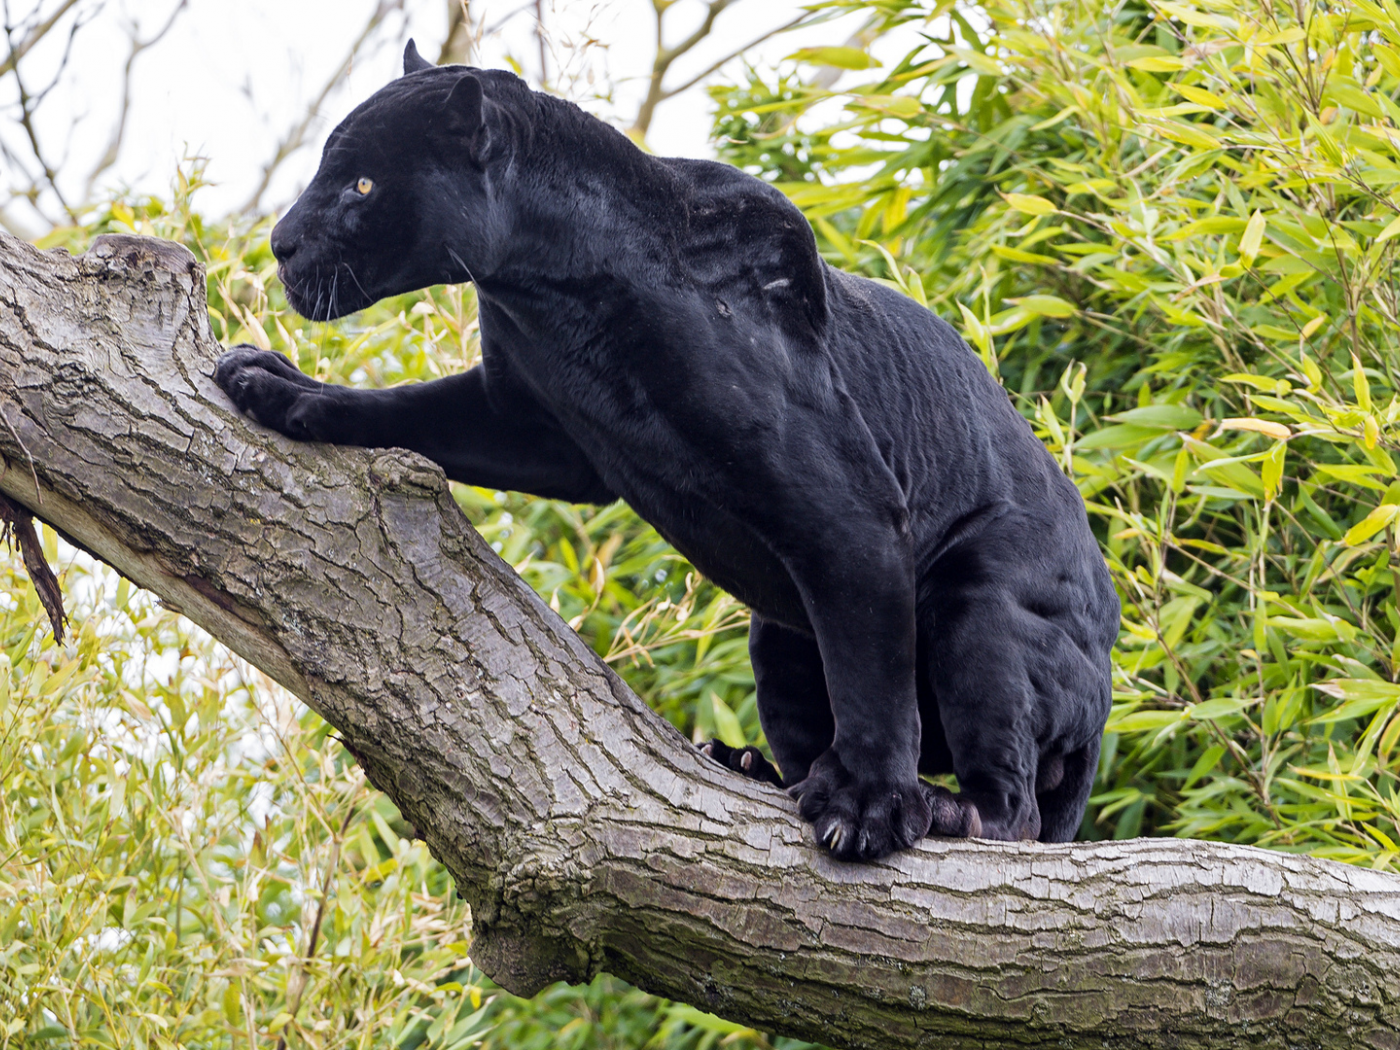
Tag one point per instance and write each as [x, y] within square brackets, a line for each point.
[1259, 426]
[1252, 238]
[1199, 96]
[1144, 721]
[981, 337]
[840, 57]
[727, 726]
[1354, 99]
[1187, 134]
[1371, 524]
[1188, 14]
[279, 1022]
[978, 62]
[1168, 417]
[1389, 58]
[903, 106]
[1030, 204]
[1361, 695]
[1221, 707]
[1064, 114]
[1266, 383]
[1045, 305]
[1360, 384]
[1157, 64]
[1179, 470]
[1271, 470]
[1017, 255]
[1390, 231]
[1310, 370]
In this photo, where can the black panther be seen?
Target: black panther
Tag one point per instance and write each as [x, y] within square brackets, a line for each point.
[927, 595]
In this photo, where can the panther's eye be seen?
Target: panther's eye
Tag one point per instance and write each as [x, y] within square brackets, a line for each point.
[364, 186]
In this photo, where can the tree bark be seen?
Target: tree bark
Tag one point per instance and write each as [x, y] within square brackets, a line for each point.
[587, 834]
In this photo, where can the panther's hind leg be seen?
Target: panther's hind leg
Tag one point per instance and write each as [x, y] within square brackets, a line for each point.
[793, 707]
[1018, 664]
[1062, 806]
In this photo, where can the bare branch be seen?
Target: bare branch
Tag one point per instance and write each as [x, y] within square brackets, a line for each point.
[296, 137]
[657, 93]
[539, 37]
[792, 24]
[114, 143]
[460, 43]
[18, 51]
[29, 186]
[27, 105]
[496, 26]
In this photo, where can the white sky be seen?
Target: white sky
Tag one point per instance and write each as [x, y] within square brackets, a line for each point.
[234, 75]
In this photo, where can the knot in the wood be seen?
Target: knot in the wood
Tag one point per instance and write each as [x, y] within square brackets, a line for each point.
[407, 472]
[116, 253]
[535, 924]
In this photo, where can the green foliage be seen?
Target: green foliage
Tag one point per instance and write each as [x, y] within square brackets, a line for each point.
[187, 858]
[1171, 229]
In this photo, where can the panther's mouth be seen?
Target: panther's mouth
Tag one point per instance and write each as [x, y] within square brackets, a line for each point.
[323, 294]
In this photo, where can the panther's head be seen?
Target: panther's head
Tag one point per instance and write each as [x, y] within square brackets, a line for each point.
[401, 199]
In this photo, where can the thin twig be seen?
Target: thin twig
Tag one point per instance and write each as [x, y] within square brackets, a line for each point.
[18, 51]
[114, 144]
[296, 138]
[297, 981]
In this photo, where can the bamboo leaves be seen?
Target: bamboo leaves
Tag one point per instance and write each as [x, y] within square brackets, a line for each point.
[1200, 201]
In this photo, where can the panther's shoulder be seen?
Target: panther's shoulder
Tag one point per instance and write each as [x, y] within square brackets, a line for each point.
[745, 242]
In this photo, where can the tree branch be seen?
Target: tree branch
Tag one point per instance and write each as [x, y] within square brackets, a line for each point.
[715, 66]
[29, 103]
[666, 55]
[586, 832]
[296, 137]
[461, 40]
[16, 52]
[114, 142]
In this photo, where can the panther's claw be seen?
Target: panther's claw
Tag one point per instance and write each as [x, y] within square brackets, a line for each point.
[748, 761]
[857, 820]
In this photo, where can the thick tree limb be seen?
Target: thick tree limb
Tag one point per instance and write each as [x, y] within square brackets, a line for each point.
[587, 834]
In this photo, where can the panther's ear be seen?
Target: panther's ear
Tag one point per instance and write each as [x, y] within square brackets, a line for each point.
[463, 106]
[413, 61]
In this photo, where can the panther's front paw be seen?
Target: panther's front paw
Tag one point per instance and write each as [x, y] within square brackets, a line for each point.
[273, 391]
[748, 761]
[859, 818]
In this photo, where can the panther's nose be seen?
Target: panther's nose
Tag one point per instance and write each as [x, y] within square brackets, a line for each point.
[284, 244]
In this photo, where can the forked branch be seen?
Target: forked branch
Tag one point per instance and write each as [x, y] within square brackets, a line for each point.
[665, 57]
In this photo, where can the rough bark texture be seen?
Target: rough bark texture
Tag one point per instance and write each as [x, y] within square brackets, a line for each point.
[586, 833]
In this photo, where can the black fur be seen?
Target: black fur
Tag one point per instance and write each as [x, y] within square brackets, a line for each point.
[927, 595]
